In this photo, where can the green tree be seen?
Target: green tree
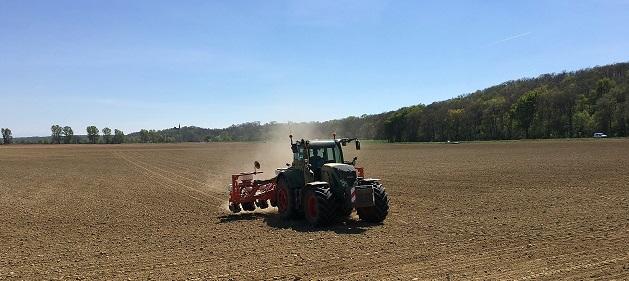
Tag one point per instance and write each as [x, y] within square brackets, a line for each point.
[619, 121]
[144, 136]
[68, 134]
[492, 120]
[524, 110]
[92, 134]
[56, 133]
[7, 135]
[623, 116]
[118, 136]
[394, 125]
[107, 135]
[155, 137]
[455, 118]
[605, 107]
[603, 86]
[583, 123]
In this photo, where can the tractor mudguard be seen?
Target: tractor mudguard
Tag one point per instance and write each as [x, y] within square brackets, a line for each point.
[368, 181]
[317, 183]
[293, 177]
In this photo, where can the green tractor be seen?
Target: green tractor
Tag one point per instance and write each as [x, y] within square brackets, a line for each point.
[319, 185]
[323, 187]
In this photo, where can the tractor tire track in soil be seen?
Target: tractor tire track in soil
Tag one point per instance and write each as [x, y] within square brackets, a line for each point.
[434, 268]
[178, 168]
[155, 167]
[190, 171]
[437, 267]
[156, 175]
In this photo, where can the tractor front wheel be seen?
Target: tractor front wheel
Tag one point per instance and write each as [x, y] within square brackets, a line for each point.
[380, 210]
[344, 213]
[318, 205]
[285, 199]
[344, 208]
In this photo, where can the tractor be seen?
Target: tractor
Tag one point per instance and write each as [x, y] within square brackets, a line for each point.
[319, 185]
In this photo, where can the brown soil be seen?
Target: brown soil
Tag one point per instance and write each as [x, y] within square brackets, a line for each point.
[503, 210]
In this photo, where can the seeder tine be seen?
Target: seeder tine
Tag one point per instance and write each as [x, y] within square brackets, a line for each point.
[262, 204]
[249, 206]
[234, 207]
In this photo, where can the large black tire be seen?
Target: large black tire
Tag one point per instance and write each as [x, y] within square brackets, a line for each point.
[285, 199]
[344, 213]
[318, 205]
[380, 210]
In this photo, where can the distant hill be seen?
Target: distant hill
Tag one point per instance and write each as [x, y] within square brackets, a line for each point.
[556, 105]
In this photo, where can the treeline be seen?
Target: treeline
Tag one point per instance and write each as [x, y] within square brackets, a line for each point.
[66, 135]
[251, 131]
[559, 105]
[568, 104]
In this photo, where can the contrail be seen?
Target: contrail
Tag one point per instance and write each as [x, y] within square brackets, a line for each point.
[509, 38]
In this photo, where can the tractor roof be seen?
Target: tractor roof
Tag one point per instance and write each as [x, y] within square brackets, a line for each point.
[322, 143]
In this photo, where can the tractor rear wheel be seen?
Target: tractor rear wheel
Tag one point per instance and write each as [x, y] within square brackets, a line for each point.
[285, 199]
[380, 210]
[318, 205]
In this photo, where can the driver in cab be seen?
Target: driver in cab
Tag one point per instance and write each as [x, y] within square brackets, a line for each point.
[317, 161]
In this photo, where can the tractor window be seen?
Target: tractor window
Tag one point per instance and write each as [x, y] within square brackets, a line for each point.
[317, 152]
[299, 155]
[334, 155]
[326, 154]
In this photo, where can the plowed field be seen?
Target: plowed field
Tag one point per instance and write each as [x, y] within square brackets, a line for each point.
[497, 210]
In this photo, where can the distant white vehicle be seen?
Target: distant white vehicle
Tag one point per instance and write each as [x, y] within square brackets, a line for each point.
[600, 135]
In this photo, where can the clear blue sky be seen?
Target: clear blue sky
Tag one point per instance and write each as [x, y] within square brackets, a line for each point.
[154, 64]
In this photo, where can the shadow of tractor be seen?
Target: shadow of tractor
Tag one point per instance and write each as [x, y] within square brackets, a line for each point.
[347, 226]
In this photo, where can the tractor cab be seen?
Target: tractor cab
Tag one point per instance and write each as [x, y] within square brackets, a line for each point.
[316, 153]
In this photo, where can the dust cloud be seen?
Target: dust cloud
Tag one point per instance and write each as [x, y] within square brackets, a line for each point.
[273, 153]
